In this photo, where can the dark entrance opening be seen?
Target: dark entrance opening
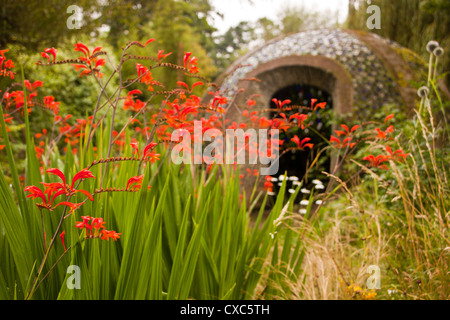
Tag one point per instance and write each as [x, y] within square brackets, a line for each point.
[317, 127]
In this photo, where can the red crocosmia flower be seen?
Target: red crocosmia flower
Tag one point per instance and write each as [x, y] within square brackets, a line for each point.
[268, 185]
[383, 134]
[344, 144]
[96, 229]
[83, 224]
[106, 235]
[52, 51]
[302, 144]
[145, 76]
[218, 100]
[99, 63]
[279, 104]
[149, 41]
[185, 59]
[183, 84]
[280, 124]
[9, 64]
[35, 192]
[255, 172]
[135, 182]
[321, 105]
[50, 103]
[193, 65]
[62, 239]
[82, 48]
[161, 54]
[397, 155]
[134, 92]
[2, 52]
[377, 162]
[134, 145]
[347, 131]
[296, 140]
[72, 206]
[83, 174]
[69, 190]
[354, 128]
[150, 146]
[58, 173]
[198, 83]
[388, 117]
[53, 190]
[152, 156]
[190, 63]
[380, 134]
[85, 72]
[32, 87]
[98, 223]
[251, 103]
[89, 59]
[301, 118]
[335, 140]
[45, 55]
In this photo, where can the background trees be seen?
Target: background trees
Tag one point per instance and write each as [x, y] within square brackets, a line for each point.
[411, 23]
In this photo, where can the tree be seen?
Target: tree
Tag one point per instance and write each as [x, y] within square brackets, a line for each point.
[411, 23]
[247, 35]
[232, 43]
[36, 24]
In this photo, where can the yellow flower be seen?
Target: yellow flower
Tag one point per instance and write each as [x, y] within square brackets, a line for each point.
[371, 295]
[357, 288]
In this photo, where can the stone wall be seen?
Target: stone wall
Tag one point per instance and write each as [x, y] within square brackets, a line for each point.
[361, 70]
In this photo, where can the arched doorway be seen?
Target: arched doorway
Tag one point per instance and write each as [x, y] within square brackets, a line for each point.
[316, 76]
[297, 163]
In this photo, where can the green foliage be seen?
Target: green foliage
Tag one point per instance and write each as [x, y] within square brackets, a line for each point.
[178, 230]
[410, 23]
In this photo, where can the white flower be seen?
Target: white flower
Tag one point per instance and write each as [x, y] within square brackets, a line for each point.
[438, 51]
[433, 44]
[270, 193]
[304, 190]
[319, 202]
[297, 183]
[274, 179]
[304, 202]
[315, 181]
[302, 211]
[390, 292]
[281, 178]
[291, 191]
[280, 184]
[293, 178]
[320, 186]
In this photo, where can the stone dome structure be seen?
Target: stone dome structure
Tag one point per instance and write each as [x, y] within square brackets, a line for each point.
[359, 70]
[355, 72]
